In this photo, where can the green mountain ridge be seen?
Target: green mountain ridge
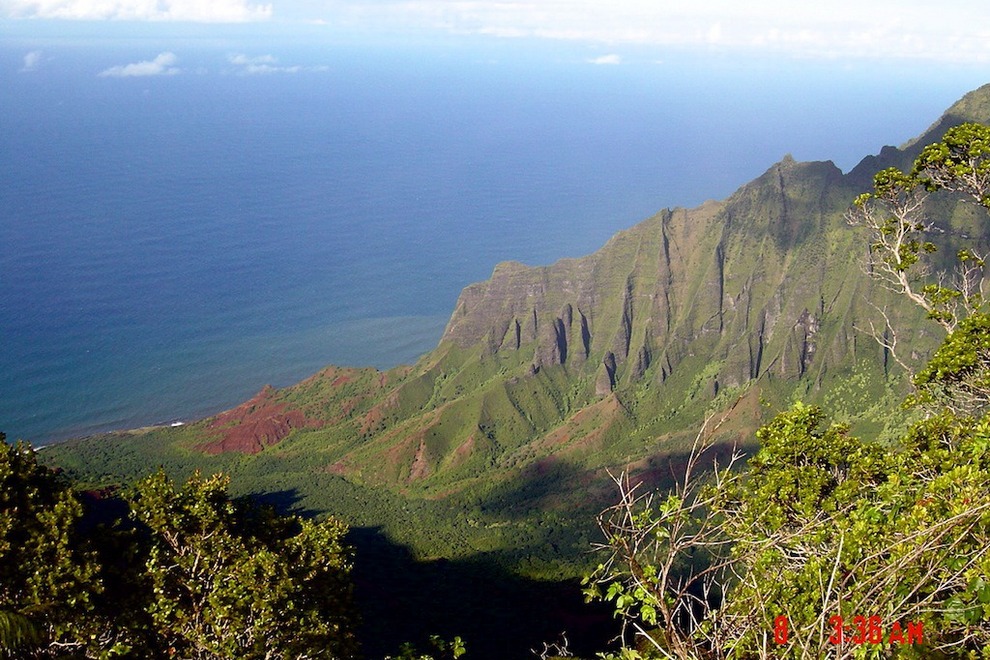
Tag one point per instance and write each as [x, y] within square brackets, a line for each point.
[471, 479]
[547, 377]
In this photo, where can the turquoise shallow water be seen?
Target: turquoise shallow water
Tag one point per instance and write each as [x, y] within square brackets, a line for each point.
[170, 245]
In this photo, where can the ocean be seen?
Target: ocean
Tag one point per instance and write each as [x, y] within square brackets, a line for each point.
[170, 244]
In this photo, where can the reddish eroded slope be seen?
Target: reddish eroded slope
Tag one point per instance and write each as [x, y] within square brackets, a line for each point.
[257, 423]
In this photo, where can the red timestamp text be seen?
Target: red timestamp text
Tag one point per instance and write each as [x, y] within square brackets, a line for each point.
[859, 630]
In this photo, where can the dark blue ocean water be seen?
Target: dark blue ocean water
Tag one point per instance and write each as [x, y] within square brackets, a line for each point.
[169, 245]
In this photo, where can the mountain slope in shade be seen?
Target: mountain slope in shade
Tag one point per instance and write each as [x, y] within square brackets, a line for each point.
[547, 376]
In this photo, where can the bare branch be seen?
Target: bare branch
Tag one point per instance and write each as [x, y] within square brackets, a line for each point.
[887, 338]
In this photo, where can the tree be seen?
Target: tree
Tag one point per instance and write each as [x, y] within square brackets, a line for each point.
[233, 580]
[49, 577]
[441, 650]
[192, 574]
[760, 563]
[827, 525]
[827, 545]
[896, 216]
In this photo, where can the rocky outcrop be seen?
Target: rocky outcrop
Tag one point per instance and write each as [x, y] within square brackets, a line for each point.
[605, 382]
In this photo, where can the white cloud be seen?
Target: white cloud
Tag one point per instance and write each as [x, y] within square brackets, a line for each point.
[200, 11]
[951, 31]
[715, 33]
[31, 61]
[954, 30]
[163, 65]
[607, 59]
[244, 60]
[266, 64]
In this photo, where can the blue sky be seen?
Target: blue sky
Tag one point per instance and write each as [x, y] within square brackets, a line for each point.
[950, 32]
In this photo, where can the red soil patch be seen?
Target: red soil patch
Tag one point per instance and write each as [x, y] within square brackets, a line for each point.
[401, 444]
[593, 421]
[407, 444]
[255, 424]
[373, 418]
[347, 406]
[463, 451]
[420, 466]
[339, 468]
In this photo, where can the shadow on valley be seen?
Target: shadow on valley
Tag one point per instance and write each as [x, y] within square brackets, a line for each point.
[547, 485]
[548, 518]
[580, 493]
[285, 502]
[498, 614]
[540, 522]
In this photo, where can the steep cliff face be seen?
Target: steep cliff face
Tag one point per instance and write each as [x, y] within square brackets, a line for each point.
[744, 281]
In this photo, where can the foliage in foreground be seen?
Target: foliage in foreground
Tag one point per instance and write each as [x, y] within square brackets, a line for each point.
[49, 573]
[189, 573]
[827, 545]
[821, 525]
[232, 580]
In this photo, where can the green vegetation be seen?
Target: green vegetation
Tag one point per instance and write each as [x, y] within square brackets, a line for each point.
[780, 559]
[49, 573]
[825, 544]
[165, 572]
[232, 580]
